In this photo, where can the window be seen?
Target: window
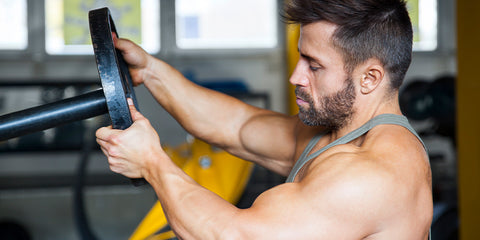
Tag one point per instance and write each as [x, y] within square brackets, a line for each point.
[423, 14]
[67, 30]
[224, 24]
[13, 21]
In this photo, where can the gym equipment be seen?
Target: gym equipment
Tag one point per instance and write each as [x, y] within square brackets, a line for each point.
[445, 223]
[435, 100]
[112, 98]
[442, 91]
[414, 101]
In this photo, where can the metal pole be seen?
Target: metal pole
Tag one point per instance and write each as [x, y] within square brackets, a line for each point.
[52, 115]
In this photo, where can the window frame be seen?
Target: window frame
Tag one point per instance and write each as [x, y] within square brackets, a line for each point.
[174, 49]
[70, 50]
[239, 47]
[419, 46]
[18, 54]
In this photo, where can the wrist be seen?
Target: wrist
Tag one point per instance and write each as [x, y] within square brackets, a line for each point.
[149, 71]
[158, 163]
[158, 72]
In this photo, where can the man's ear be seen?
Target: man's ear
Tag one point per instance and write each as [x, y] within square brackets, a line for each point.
[372, 75]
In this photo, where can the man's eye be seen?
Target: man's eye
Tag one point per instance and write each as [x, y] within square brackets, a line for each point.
[314, 68]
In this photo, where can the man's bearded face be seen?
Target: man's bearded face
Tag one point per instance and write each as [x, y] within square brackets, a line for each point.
[334, 111]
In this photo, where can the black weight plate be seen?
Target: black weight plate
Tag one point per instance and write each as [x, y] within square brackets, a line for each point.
[116, 80]
[414, 101]
[112, 69]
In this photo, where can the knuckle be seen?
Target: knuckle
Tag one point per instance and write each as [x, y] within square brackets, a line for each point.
[115, 139]
[145, 122]
[113, 165]
[113, 152]
[113, 169]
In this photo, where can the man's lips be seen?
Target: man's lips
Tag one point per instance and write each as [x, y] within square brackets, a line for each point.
[300, 95]
[300, 101]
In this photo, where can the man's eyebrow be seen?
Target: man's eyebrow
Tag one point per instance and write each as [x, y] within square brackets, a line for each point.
[308, 57]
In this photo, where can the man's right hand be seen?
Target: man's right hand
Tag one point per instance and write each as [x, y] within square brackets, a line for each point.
[137, 59]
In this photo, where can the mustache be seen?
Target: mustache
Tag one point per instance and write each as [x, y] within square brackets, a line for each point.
[302, 94]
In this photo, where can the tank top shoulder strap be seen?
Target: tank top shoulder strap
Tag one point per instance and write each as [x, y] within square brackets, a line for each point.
[311, 144]
[378, 120]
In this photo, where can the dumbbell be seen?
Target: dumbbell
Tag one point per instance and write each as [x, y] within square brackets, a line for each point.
[111, 98]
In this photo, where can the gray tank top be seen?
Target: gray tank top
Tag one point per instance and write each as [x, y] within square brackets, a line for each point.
[378, 120]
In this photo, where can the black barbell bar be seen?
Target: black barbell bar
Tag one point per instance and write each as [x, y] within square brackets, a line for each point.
[51, 115]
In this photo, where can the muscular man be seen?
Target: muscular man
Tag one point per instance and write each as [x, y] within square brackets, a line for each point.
[357, 169]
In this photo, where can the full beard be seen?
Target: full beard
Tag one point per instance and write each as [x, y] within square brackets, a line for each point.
[334, 111]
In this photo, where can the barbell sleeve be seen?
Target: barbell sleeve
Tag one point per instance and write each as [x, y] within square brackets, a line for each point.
[54, 114]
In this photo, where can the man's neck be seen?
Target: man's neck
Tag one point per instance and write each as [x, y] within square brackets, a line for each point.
[363, 115]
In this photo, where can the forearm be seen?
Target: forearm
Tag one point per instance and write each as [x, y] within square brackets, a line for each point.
[207, 114]
[192, 211]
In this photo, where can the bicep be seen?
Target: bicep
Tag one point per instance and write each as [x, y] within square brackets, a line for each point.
[269, 139]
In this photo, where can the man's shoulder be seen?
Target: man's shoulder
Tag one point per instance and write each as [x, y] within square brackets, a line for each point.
[390, 160]
[343, 163]
[386, 154]
[346, 169]
[394, 142]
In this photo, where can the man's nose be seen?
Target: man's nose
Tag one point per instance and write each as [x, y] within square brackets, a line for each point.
[299, 76]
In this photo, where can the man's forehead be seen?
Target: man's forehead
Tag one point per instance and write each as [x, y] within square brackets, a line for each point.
[322, 27]
[316, 39]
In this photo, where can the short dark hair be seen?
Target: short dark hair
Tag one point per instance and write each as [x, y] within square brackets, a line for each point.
[366, 29]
